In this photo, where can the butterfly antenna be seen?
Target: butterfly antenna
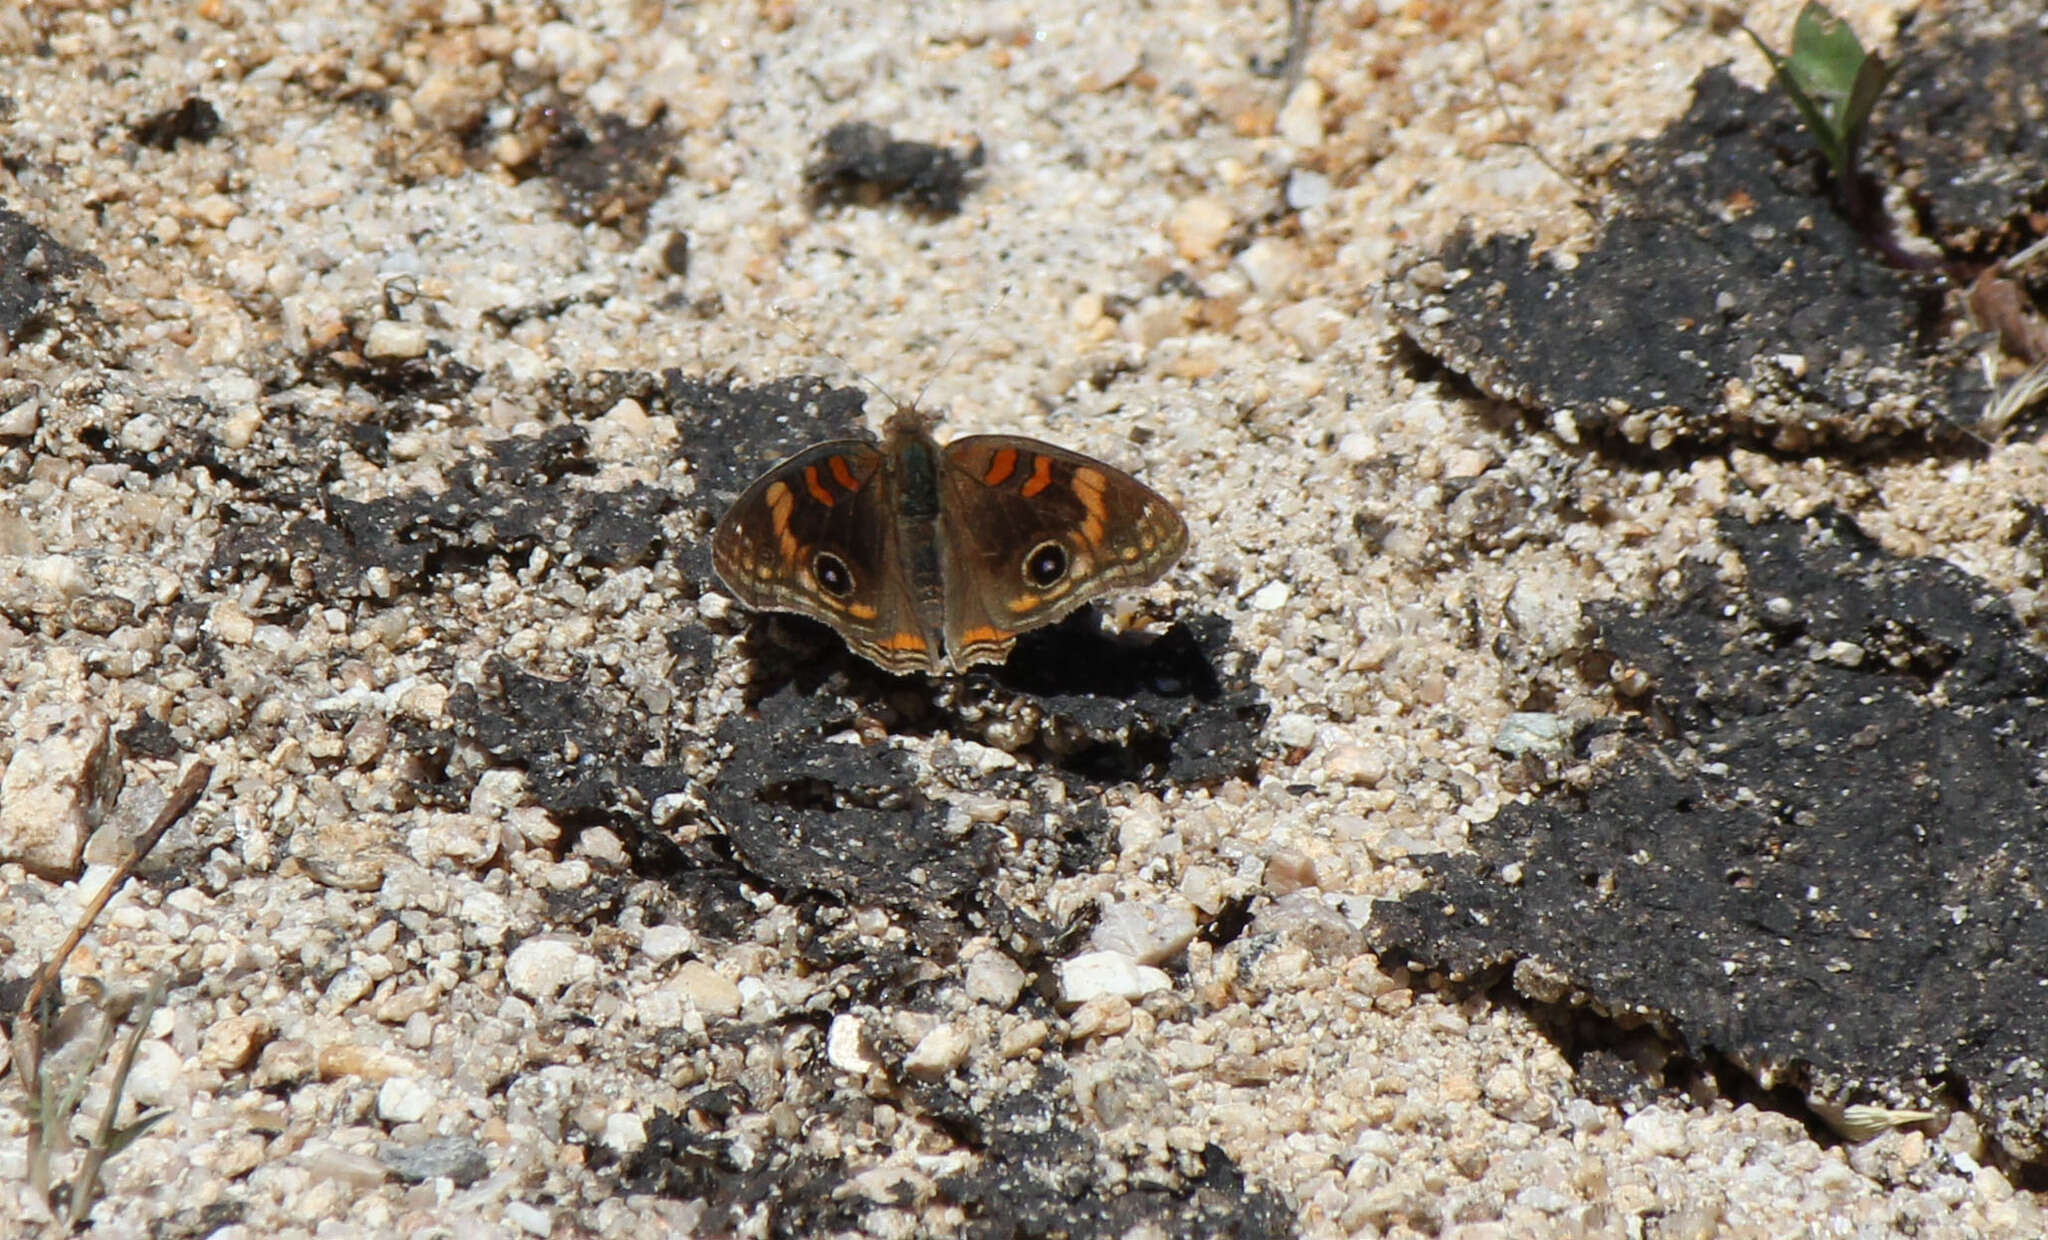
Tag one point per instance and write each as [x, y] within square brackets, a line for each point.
[947, 361]
[817, 345]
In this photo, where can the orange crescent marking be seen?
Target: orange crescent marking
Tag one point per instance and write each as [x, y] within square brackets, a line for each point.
[842, 475]
[861, 611]
[780, 504]
[1000, 467]
[1041, 476]
[986, 635]
[816, 488]
[903, 641]
[1025, 602]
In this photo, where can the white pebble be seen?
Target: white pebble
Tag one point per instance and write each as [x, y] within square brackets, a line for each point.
[844, 1049]
[1307, 189]
[1300, 122]
[1272, 596]
[392, 340]
[665, 942]
[624, 1133]
[1146, 931]
[1658, 1132]
[710, 991]
[403, 1100]
[1094, 975]
[995, 979]
[1295, 730]
[938, 1053]
[541, 968]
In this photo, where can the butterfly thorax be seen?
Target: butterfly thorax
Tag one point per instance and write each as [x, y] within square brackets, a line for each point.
[913, 464]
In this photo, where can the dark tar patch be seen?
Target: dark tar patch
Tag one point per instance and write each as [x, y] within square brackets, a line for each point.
[1826, 869]
[859, 162]
[1726, 300]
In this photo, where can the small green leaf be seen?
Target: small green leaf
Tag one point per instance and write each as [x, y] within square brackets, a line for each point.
[1826, 54]
[1831, 79]
[122, 1137]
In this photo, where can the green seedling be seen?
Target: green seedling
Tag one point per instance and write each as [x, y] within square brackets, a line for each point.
[53, 1105]
[54, 1093]
[1832, 80]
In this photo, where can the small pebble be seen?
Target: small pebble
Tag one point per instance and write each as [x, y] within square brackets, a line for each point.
[456, 1158]
[64, 775]
[1355, 764]
[1147, 932]
[1092, 975]
[1300, 123]
[995, 979]
[1105, 1017]
[1306, 189]
[710, 991]
[403, 1100]
[845, 1049]
[1272, 596]
[530, 1219]
[665, 942]
[1532, 732]
[1289, 870]
[938, 1053]
[542, 968]
[393, 341]
[624, 1133]
[1198, 227]
[233, 1042]
[1295, 730]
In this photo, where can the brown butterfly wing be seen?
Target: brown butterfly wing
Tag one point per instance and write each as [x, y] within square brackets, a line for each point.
[1013, 510]
[816, 535]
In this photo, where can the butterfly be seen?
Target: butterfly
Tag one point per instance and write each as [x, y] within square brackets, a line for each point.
[929, 557]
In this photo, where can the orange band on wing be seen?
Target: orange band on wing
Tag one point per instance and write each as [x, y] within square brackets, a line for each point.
[986, 635]
[1041, 476]
[816, 488]
[1000, 467]
[903, 641]
[842, 475]
[780, 504]
[1088, 485]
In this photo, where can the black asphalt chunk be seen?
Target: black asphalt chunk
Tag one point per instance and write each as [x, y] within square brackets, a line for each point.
[1964, 124]
[1181, 706]
[32, 267]
[405, 385]
[583, 758]
[808, 812]
[610, 176]
[194, 120]
[498, 506]
[1037, 1170]
[732, 434]
[1727, 299]
[860, 163]
[1826, 869]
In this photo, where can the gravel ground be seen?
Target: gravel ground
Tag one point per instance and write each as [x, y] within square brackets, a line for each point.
[408, 994]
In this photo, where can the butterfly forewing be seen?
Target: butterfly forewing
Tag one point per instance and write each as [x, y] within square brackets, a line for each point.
[1033, 531]
[814, 536]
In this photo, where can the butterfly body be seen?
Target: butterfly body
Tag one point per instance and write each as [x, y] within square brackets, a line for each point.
[927, 558]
